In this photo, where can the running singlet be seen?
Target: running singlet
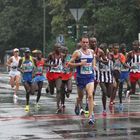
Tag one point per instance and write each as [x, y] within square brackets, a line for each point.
[14, 63]
[106, 67]
[86, 70]
[118, 60]
[105, 72]
[65, 68]
[27, 65]
[123, 68]
[58, 67]
[40, 67]
[135, 63]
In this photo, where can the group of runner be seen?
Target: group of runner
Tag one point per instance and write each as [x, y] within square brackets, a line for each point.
[109, 66]
[30, 70]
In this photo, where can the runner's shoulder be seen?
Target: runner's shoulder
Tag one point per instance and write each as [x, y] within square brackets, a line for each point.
[130, 54]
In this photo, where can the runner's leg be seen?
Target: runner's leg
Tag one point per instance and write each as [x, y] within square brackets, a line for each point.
[58, 83]
[40, 85]
[17, 79]
[90, 89]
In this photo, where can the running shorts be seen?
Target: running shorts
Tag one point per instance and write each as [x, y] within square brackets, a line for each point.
[134, 77]
[82, 82]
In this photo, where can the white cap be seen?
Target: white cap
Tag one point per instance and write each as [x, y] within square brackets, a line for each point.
[16, 50]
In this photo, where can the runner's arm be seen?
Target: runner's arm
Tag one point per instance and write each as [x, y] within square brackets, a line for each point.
[102, 57]
[129, 57]
[123, 61]
[19, 65]
[75, 56]
[9, 61]
[47, 61]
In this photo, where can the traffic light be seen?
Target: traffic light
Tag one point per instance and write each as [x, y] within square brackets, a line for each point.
[85, 30]
[69, 30]
[72, 30]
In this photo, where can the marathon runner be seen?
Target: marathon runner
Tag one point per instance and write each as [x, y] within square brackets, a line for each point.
[118, 60]
[27, 68]
[133, 58]
[54, 74]
[14, 74]
[105, 77]
[66, 86]
[39, 77]
[84, 58]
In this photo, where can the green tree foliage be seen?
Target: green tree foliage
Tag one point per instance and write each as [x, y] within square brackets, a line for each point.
[117, 21]
[21, 21]
[21, 24]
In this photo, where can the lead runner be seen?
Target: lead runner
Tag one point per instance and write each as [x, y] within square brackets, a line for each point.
[84, 58]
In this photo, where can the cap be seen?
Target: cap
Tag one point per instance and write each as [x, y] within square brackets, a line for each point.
[34, 51]
[15, 50]
[39, 51]
[27, 50]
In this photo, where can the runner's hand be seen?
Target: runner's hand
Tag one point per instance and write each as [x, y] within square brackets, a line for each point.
[82, 63]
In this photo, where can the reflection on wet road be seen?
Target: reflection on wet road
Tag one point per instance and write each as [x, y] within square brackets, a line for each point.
[44, 124]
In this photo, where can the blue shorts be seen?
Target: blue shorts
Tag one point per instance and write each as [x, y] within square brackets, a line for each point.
[82, 82]
[124, 76]
[27, 77]
[39, 78]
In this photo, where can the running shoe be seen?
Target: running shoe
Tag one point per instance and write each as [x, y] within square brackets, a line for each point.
[15, 100]
[82, 111]
[37, 106]
[91, 120]
[95, 103]
[58, 111]
[127, 94]
[47, 90]
[67, 94]
[15, 96]
[127, 97]
[27, 108]
[77, 110]
[63, 106]
[86, 114]
[121, 107]
[104, 113]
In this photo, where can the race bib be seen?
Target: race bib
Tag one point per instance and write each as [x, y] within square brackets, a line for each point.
[136, 66]
[117, 65]
[55, 69]
[39, 69]
[86, 69]
[28, 67]
[102, 67]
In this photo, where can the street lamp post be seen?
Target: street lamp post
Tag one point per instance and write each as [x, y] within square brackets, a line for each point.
[44, 26]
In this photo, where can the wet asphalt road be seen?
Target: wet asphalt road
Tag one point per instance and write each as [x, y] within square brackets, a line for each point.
[44, 124]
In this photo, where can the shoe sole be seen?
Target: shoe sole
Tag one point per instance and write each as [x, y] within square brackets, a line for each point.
[27, 110]
[58, 111]
[77, 112]
[91, 122]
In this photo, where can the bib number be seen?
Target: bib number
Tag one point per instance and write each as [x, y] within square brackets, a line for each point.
[86, 69]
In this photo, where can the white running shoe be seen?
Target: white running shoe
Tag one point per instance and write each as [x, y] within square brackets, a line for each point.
[15, 96]
[127, 97]
[95, 103]
[91, 120]
[82, 112]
